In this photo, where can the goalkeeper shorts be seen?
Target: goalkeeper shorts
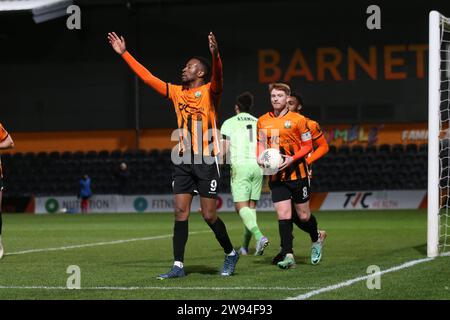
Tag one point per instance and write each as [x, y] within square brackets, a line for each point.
[246, 182]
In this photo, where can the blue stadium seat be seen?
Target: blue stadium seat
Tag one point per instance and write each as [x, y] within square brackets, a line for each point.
[357, 149]
[54, 155]
[384, 149]
[371, 149]
[92, 154]
[344, 150]
[104, 154]
[78, 155]
[411, 148]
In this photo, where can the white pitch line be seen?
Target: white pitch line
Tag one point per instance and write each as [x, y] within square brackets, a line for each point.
[362, 278]
[155, 288]
[95, 244]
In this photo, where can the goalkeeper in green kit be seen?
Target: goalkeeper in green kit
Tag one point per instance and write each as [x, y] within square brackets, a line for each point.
[239, 138]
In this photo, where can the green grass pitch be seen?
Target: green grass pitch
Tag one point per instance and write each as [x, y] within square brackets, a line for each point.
[112, 269]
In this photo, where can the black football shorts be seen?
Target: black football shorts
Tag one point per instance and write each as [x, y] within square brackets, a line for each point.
[298, 190]
[202, 179]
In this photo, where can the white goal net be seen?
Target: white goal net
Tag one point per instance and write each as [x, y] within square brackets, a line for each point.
[439, 135]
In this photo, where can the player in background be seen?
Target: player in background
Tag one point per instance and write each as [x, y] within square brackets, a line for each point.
[195, 102]
[320, 148]
[6, 142]
[288, 132]
[239, 137]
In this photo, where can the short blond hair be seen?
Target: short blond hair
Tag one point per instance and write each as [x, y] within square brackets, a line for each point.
[280, 86]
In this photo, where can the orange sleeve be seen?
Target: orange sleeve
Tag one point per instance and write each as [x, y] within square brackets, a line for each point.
[157, 84]
[320, 151]
[304, 150]
[316, 131]
[306, 141]
[217, 76]
[3, 133]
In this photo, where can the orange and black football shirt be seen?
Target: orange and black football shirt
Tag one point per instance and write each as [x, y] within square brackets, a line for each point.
[286, 133]
[3, 135]
[195, 107]
[196, 117]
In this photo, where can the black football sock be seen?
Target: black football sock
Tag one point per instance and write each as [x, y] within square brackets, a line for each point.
[297, 221]
[221, 234]
[285, 230]
[1, 223]
[310, 227]
[180, 237]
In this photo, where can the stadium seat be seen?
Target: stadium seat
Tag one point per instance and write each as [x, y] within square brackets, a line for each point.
[128, 155]
[411, 148]
[18, 156]
[344, 150]
[332, 149]
[141, 154]
[78, 155]
[384, 149]
[423, 148]
[116, 154]
[92, 154]
[54, 155]
[397, 149]
[357, 149]
[42, 155]
[104, 154]
[371, 149]
[29, 156]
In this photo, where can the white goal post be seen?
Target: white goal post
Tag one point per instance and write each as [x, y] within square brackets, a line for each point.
[438, 237]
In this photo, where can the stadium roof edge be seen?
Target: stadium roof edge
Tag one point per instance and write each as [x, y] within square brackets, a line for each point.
[24, 5]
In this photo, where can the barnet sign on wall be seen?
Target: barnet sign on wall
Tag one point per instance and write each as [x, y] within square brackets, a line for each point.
[332, 63]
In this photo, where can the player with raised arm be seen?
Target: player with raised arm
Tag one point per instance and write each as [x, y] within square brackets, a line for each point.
[320, 148]
[6, 142]
[239, 136]
[195, 101]
[287, 131]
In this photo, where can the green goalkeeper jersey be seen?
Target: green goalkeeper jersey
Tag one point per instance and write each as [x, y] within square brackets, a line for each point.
[240, 130]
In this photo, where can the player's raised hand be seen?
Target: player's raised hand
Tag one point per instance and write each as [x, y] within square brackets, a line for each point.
[118, 44]
[213, 47]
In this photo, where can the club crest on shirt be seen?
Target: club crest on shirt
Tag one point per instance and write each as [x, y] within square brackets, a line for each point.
[198, 94]
[287, 124]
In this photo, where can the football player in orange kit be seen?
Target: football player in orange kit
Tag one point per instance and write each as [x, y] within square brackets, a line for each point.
[195, 101]
[320, 148]
[6, 142]
[288, 132]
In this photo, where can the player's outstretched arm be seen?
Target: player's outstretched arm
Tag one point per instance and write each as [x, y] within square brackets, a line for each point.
[119, 46]
[216, 76]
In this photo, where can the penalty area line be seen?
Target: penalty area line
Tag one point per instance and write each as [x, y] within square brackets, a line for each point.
[347, 283]
[96, 244]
